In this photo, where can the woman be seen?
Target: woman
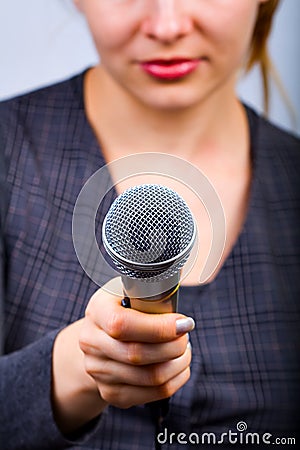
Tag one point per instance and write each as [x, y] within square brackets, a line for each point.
[166, 84]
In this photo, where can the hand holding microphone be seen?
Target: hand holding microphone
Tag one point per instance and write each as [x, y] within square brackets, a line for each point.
[138, 358]
[134, 358]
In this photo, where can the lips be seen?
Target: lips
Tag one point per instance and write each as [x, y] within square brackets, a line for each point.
[171, 69]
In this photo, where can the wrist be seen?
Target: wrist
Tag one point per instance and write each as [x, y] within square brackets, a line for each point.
[75, 396]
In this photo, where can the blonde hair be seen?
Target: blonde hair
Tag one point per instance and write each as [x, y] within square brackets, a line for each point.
[259, 53]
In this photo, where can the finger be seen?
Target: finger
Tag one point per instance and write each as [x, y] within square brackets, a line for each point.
[129, 325]
[125, 396]
[99, 344]
[114, 372]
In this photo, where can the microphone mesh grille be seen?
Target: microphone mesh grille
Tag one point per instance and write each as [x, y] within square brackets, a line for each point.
[148, 224]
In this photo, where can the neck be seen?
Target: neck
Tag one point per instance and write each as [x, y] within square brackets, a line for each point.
[123, 125]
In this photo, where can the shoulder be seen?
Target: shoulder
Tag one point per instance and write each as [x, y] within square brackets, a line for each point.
[40, 118]
[272, 138]
[276, 152]
[276, 186]
[53, 98]
[59, 90]
[37, 130]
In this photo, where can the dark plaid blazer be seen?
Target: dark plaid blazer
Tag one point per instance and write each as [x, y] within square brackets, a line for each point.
[245, 364]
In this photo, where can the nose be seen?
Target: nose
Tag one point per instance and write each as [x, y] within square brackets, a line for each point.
[166, 21]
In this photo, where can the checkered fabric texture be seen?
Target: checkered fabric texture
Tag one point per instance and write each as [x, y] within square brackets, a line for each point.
[245, 363]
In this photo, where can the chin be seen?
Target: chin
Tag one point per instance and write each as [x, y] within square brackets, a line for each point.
[173, 106]
[166, 102]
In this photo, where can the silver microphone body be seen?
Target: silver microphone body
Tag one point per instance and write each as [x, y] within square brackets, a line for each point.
[148, 233]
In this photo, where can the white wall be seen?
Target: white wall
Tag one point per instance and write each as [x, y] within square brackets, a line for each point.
[42, 41]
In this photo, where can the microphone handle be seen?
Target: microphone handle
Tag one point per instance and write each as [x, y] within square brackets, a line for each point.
[166, 304]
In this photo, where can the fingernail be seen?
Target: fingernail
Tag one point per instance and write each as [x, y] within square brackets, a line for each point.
[184, 325]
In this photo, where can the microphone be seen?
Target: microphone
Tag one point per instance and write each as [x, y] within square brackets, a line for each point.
[148, 233]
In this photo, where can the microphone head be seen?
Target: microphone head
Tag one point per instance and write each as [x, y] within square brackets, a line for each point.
[149, 232]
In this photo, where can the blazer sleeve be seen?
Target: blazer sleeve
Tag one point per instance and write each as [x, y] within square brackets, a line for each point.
[26, 417]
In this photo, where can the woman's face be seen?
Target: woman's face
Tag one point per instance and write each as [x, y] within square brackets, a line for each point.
[172, 53]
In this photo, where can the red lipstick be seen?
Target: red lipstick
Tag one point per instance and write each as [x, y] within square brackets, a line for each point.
[170, 69]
